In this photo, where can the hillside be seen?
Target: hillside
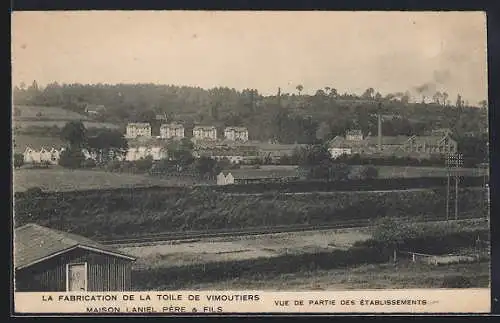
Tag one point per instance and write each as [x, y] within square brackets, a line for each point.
[128, 212]
[289, 118]
[34, 113]
[26, 117]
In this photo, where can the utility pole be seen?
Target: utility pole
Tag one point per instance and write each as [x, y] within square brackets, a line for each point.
[458, 162]
[449, 159]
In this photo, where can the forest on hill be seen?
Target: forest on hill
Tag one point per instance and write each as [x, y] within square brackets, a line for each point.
[284, 117]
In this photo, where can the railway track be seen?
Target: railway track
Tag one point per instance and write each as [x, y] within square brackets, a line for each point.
[196, 235]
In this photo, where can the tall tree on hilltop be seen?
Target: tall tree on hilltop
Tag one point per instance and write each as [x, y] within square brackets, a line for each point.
[445, 98]
[459, 103]
[299, 88]
[368, 94]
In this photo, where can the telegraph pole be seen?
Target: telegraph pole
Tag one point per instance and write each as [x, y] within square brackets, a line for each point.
[458, 163]
[448, 162]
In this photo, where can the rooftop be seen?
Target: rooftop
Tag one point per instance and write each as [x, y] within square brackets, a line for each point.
[204, 127]
[35, 243]
[139, 124]
[171, 125]
[235, 129]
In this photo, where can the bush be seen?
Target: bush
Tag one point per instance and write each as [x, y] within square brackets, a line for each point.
[18, 160]
[72, 158]
[144, 164]
[89, 163]
[457, 281]
[113, 165]
[34, 191]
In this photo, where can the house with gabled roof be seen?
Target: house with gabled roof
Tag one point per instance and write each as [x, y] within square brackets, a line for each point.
[46, 259]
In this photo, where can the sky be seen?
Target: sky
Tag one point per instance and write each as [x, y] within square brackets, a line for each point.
[349, 51]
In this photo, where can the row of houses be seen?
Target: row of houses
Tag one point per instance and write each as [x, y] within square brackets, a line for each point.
[49, 155]
[176, 131]
[412, 146]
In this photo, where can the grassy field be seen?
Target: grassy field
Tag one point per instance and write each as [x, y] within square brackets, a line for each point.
[377, 276]
[38, 116]
[59, 179]
[21, 124]
[50, 113]
[414, 171]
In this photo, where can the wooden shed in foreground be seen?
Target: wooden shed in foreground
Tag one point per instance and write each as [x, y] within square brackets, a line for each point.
[51, 260]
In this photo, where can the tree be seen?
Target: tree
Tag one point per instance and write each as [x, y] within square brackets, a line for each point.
[333, 93]
[483, 104]
[378, 96]
[299, 88]
[320, 93]
[323, 131]
[75, 134]
[311, 155]
[144, 164]
[108, 144]
[206, 166]
[72, 158]
[459, 102]
[18, 160]
[445, 98]
[437, 97]
[368, 94]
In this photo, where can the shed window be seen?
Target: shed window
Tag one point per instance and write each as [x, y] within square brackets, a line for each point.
[76, 277]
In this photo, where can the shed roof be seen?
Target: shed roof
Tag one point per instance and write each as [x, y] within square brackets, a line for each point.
[35, 243]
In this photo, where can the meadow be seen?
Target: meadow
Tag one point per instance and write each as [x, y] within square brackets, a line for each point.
[41, 116]
[23, 124]
[46, 113]
[59, 179]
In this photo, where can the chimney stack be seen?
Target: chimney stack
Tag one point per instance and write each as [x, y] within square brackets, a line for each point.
[379, 137]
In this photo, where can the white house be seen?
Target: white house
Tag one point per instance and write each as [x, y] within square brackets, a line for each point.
[236, 133]
[172, 130]
[141, 152]
[51, 155]
[336, 152]
[31, 155]
[223, 179]
[135, 130]
[205, 132]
